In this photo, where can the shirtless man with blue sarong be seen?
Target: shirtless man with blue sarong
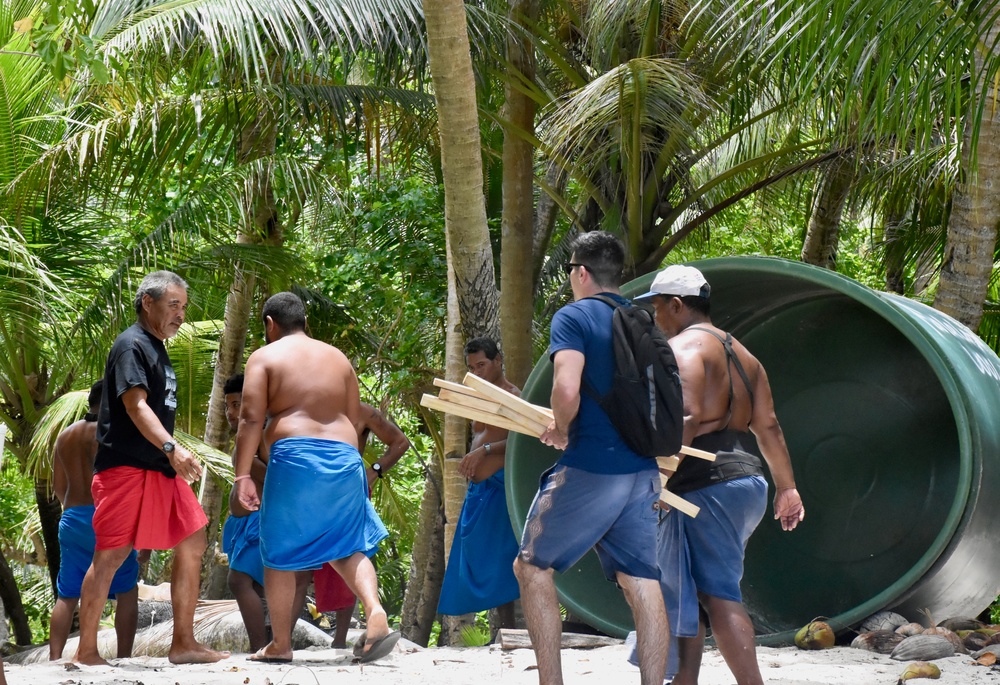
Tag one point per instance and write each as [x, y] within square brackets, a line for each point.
[480, 572]
[72, 473]
[315, 503]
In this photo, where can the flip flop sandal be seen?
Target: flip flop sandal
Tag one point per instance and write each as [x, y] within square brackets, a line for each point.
[381, 648]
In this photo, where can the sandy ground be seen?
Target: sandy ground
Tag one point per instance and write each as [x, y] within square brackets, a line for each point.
[413, 665]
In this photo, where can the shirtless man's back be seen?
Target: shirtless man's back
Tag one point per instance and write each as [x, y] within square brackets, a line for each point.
[72, 474]
[311, 387]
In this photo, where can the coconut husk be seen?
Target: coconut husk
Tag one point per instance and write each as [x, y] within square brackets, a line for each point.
[951, 635]
[957, 624]
[882, 620]
[878, 641]
[909, 629]
[974, 640]
[988, 649]
[923, 648]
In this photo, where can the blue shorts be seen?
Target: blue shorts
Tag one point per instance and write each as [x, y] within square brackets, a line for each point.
[76, 552]
[241, 543]
[705, 554]
[576, 510]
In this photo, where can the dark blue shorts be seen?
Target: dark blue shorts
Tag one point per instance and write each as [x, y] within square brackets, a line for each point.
[575, 510]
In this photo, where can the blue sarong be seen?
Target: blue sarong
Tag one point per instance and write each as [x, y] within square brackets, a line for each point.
[315, 505]
[480, 573]
[241, 543]
[76, 552]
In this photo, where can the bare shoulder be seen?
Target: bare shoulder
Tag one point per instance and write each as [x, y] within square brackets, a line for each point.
[512, 389]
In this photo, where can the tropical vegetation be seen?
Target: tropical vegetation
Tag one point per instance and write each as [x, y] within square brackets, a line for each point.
[416, 170]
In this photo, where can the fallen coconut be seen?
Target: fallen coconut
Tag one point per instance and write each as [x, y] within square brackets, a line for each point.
[919, 669]
[882, 620]
[910, 629]
[957, 624]
[988, 649]
[815, 635]
[974, 640]
[955, 640]
[878, 641]
[923, 648]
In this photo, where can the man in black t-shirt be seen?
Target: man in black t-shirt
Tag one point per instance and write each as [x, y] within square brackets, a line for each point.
[142, 496]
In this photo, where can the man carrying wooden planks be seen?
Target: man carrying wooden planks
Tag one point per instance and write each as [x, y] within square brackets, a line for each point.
[600, 494]
[480, 575]
[701, 558]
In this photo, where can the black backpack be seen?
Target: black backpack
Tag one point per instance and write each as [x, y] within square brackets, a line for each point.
[645, 403]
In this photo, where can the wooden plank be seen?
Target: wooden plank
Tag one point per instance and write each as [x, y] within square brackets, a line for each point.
[519, 639]
[668, 463]
[521, 418]
[458, 388]
[677, 502]
[479, 403]
[437, 404]
[700, 454]
[535, 413]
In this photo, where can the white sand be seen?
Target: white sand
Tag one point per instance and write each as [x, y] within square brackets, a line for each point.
[411, 665]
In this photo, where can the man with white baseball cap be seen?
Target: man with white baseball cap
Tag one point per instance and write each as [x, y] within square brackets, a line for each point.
[701, 558]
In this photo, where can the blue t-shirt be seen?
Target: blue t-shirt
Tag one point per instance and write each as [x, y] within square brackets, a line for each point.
[594, 443]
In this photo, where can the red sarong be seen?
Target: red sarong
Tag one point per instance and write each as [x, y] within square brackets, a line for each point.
[143, 509]
[332, 593]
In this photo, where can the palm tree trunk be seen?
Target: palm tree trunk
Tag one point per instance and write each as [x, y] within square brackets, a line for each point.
[11, 597]
[518, 222]
[263, 227]
[895, 276]
[427, 562]
[975, 213]
[471, 260]
[823, 234]
[49, 513]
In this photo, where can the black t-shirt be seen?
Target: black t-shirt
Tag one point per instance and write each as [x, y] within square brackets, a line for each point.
[137, 359]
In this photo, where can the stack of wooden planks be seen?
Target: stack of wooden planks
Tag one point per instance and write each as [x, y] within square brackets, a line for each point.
[479, 400]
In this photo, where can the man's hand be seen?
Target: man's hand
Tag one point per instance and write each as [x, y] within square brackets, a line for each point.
[553, 437]
[184, 463]
[470, 462]
[788, 507]
[246, 494]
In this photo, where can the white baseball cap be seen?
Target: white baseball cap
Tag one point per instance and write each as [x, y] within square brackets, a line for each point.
[678, 281]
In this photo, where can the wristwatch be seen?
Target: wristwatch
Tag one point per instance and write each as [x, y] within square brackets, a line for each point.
[377, 468]
[168, 447]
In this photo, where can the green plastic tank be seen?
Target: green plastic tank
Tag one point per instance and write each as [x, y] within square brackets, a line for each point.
[891, 411]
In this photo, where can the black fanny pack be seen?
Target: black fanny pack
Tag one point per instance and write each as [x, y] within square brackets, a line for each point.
[695, 473]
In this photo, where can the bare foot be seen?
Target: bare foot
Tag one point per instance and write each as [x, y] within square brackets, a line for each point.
[88, 659]
[198, 654]
[265, 656]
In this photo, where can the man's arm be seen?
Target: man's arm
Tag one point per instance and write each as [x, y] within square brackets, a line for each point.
[183, 462]
[58, 473]
[771, 440]
[389, 434]
[250, 434]
[567, 377]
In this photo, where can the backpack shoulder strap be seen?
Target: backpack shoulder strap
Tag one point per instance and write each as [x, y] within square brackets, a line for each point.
[605, 299]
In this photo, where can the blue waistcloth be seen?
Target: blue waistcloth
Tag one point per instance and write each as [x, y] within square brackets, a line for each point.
[705, 553]
[315, 505]
[575, 510]
[241, 543]
[594, 443]
[76, 552]
[480, 573]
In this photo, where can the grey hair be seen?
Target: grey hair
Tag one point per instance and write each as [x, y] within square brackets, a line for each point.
[155, 284]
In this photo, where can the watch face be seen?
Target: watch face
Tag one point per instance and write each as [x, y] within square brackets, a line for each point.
[376, 467]
[168, 447]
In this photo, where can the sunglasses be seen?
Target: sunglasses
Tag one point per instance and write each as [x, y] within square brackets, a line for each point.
[569, 266]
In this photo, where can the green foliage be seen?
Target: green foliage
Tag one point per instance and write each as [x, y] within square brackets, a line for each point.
[477, 634]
